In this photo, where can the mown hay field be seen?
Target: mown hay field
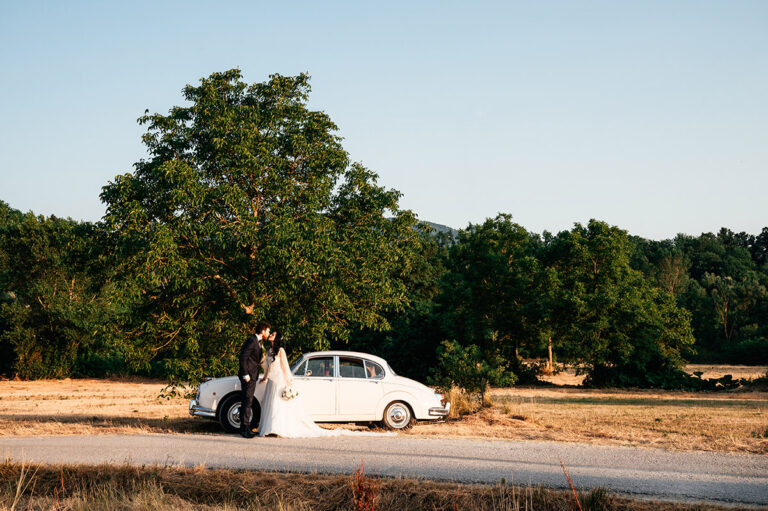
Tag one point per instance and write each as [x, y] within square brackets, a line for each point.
[724, 422]
[713, 421]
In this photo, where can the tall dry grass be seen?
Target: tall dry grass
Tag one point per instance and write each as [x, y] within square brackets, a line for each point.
[126, 488]
[463, 403]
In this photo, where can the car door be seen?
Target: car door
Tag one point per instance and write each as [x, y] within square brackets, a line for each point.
[315, 380]
[359, 392]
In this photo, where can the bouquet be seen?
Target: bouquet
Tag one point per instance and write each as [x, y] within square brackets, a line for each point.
[289, 393]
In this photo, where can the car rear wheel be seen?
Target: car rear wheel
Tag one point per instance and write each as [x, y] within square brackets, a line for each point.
[397, 415]
[228, 413]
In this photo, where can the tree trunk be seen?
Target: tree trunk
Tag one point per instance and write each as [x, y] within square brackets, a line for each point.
[550, 365]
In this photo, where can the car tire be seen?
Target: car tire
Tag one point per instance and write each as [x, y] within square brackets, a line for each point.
[397, 416]
[228, 413]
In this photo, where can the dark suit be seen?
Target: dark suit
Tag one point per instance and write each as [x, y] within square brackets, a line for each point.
[250, 363]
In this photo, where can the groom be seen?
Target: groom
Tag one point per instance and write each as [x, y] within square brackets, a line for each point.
[250, 361]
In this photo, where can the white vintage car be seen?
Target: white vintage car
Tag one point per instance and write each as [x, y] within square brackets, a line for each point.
[335, 386]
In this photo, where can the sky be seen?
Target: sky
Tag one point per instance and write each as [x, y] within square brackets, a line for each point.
[649, 115]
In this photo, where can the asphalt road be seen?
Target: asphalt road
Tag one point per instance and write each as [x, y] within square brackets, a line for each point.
[647, 473]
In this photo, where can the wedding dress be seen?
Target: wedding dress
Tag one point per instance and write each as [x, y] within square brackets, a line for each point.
[288, 418]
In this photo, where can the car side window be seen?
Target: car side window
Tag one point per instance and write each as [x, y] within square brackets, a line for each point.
[351, 368]
[373, 371]
[300, 369]
[321, 367]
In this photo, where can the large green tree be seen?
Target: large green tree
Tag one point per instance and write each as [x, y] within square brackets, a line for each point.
[492, 290]
[248, 208]
[624, 330]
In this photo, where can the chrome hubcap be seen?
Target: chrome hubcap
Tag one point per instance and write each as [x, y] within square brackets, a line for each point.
[397, 415]
[234, 415]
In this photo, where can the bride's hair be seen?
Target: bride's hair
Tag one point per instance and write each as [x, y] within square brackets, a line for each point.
[279, 342]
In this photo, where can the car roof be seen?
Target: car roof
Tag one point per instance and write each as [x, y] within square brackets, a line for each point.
[340, 353]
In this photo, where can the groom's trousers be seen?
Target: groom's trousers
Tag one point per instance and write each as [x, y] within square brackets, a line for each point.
[246, 403]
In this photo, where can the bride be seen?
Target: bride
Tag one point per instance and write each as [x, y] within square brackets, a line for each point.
[287, 417]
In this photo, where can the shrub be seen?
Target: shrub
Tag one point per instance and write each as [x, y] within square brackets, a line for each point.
[470, 369]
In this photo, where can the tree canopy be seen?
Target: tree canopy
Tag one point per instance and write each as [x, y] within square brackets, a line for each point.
[54, 297]
[248, 208]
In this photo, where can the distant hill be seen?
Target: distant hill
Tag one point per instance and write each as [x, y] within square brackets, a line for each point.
[439, 228]
[442, 228]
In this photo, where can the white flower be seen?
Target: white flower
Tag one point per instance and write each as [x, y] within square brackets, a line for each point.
[289, 393]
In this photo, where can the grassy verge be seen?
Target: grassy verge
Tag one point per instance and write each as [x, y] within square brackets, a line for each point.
[166, 488]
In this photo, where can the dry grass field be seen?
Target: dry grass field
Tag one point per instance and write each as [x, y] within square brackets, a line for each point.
[126, 488]
[569, 376]
[87, 407]
[725, 422]
[721, 421]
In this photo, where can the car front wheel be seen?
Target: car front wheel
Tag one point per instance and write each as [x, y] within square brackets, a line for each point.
[397, 415]
[228, 413]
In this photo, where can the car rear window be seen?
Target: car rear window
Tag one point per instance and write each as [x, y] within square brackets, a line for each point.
[373, 370]
[351, 368]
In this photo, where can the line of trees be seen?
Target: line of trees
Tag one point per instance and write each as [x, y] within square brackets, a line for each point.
[628, 311]
[248, 207]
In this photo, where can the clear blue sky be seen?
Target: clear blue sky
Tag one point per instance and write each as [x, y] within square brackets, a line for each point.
[649, 115]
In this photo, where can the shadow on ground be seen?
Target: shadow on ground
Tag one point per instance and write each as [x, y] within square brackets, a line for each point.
[46, 424]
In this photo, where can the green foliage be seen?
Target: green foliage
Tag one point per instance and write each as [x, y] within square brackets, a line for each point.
[248, 208]
[663, 262]
[732, 299]
[467, 367]
[54, 295]
[625, 331]
[724, 288]
[413, 335]
[747, 352]
[512, 292]
[492, 290]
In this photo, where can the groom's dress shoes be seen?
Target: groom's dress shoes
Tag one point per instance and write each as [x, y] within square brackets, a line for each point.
[247, 434]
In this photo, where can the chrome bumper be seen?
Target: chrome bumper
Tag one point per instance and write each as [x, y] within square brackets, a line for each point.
[440, 412]
[199, 411]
